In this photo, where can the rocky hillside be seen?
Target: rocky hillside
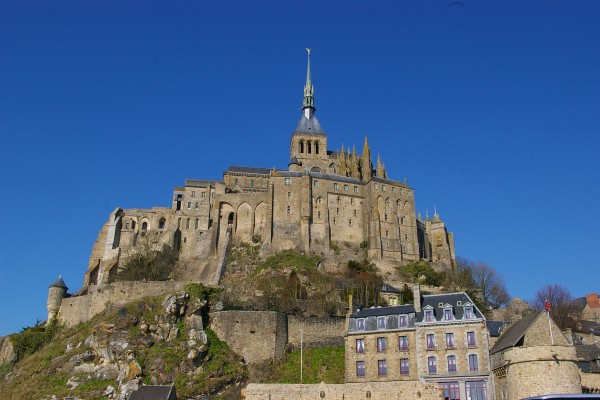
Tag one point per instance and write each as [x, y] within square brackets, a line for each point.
[155, 341]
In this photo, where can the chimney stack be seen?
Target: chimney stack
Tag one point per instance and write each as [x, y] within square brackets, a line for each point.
[417, 297]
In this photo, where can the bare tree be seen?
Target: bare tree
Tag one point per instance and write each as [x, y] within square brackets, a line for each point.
[491, 284]
[147, 260]
[460, 277]
[563, 307]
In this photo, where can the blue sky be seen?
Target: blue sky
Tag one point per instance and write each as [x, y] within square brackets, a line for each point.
[490, 109]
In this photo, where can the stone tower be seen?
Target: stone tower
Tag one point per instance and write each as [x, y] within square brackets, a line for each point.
[56, 292]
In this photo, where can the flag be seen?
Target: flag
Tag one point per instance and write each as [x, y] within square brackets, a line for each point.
[547, 305]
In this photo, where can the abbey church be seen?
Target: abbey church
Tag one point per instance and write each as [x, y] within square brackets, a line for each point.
[324, 200]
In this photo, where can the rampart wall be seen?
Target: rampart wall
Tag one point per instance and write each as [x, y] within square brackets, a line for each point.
[347, 391]
[316, 331]
[255, 335]
[78, 309]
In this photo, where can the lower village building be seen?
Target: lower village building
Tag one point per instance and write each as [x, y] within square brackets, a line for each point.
[440, 339]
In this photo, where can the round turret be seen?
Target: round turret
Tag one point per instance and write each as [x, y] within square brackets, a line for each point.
[56, 292]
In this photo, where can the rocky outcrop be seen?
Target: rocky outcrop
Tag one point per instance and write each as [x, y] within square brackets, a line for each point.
[7, 353]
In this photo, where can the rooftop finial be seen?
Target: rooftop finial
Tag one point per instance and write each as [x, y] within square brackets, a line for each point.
[308, 105]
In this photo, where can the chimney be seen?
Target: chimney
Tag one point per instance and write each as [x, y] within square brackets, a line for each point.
[592, 300]
[417, 297]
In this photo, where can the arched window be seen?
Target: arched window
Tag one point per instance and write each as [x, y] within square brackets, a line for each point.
[132, 224]
[302, 146]
[187, 224]
[308, 147]
[144, 226]
[196, 224]
[161, 223]
[316, 147]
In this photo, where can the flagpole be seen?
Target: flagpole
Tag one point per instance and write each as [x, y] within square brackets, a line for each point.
[301, 345]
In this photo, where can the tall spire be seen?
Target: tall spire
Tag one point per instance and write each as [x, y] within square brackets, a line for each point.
[308, 105]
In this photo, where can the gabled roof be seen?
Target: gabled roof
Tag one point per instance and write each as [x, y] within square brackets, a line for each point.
[151, 392]
[309, 126]
[495, 327]
[514, 333]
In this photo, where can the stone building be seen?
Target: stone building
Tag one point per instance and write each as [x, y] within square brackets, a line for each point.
[323, 199]
[532, 358]
[441, 339]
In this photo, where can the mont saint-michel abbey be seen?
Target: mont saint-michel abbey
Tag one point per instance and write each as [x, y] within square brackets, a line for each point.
[325, 200]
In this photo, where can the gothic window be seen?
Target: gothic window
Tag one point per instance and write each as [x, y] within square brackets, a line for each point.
[301, 146]
[316, 147]
[161, 223]
[308, 147]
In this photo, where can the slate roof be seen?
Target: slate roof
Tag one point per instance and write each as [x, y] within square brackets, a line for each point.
[150, 392]
[514, 333]
[379, 311]
[199, 183]
[59, 283]
[338, 178]
[389, 288]
[584, 326]
[249, 170]
[388, 181]
[495, 327]
[309, 126]
[587, 352]
[433, 300]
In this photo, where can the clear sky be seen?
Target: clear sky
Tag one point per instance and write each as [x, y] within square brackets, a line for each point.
[490, 109]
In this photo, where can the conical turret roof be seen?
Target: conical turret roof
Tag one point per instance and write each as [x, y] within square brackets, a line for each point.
[59, 283]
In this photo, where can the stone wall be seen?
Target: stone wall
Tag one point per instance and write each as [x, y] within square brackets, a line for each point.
[316, 331]
[533, 371]
[590, 383]
[255, 335]
[78, 309]
[347, 391]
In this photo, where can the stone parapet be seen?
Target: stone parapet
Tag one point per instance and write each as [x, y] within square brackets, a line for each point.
[79, 309]
[347, 391]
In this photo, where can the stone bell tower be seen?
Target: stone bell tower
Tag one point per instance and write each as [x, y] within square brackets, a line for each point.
[308, 147]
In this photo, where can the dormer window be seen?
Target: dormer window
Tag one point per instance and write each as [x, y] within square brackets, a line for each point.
[360, 324]
[403, 321]
[469, 312]
[380, 322]
[428, 315]
[448, 314]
